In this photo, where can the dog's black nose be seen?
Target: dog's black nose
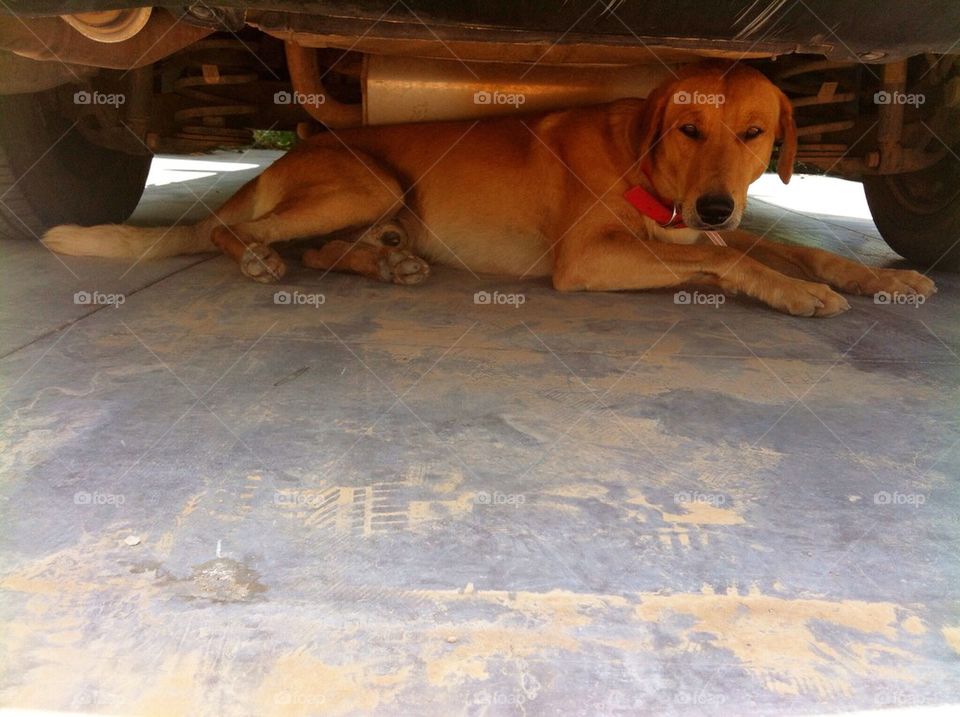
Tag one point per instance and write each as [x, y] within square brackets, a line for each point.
[715, 209]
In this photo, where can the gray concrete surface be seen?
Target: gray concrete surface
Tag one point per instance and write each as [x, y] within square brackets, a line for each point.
[399, 501]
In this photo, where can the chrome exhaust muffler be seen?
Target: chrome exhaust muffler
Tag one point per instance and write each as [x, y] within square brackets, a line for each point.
[399, 89]
[412, 89]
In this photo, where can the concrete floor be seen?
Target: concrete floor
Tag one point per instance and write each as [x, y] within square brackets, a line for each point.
[403, 502]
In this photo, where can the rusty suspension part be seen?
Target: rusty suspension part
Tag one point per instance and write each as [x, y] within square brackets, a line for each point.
[207, 117]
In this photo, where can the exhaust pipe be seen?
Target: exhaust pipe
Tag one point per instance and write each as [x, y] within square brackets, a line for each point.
[400, 89]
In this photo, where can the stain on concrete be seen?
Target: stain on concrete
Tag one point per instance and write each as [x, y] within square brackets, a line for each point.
[224, 580]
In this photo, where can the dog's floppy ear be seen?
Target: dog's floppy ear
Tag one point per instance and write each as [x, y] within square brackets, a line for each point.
[650, 123]
[787, 135]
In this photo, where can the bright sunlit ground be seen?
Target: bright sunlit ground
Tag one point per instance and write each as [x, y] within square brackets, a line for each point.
[168, 170]
[814, 194]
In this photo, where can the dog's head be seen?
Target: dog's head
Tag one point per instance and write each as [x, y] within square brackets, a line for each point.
[704, 136]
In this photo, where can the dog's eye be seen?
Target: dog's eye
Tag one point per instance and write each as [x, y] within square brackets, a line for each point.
[690, 130]
[752, 133]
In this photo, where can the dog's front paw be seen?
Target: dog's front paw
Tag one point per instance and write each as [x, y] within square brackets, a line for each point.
[402, 267]
[891, 281]
[261, 263]
[808, 298]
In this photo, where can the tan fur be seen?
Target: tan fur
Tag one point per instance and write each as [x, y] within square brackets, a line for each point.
[535, 196]
[120, 241]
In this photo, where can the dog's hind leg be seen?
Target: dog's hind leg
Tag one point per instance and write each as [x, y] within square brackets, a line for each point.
[383, 263]
[310, 193]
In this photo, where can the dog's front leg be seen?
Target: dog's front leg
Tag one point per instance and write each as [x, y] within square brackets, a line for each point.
[807, 262]
[613, 260]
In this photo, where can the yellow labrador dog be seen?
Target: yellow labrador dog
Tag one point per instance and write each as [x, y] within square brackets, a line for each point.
[634, 194]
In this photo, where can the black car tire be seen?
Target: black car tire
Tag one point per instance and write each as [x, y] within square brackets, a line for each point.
[918, 213]
[50, 174]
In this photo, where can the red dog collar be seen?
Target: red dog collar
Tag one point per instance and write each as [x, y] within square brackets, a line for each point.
[650, 206]
[667, 217]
